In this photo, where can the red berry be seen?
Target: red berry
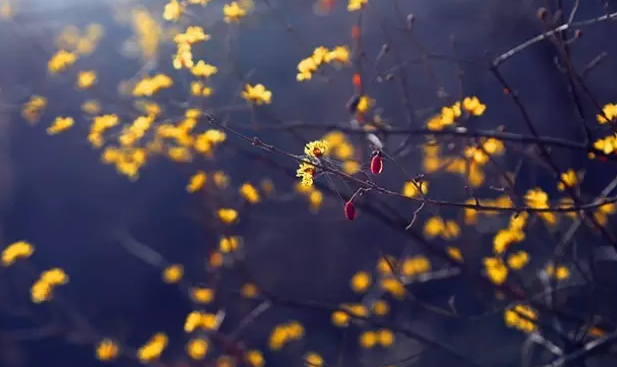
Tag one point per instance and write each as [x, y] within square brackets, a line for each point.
[376, 164]
[350, 210]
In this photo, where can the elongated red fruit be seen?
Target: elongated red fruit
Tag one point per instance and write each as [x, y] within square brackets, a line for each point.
[376, 164]
[350, 210]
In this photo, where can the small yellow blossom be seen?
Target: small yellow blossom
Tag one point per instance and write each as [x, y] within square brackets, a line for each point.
[351, 167]
[257, 94]
[412, 189]
[233, 12]
[229, 244]
[518, 260]
[474, 106]
[153, 349]
[381, 307]
[568, 179]
[221, 180]
[197, 348]
[197, 181]
[306, 171]
[313, 359]
[173, 273]
[16, 251]
[360, 282]
[60, 61]
[609, 111]
[340, 318]
[496, 270]
[385, 337]
[368, 339]
[86, 79]
[249, 193]
[202, 295]
[317, 149]
[106, 350]
[354, 5]
[255, 358]
[203, 70]
[249, 290]
[33, 108]
[227, 215]
[172, 11]
[60, 124]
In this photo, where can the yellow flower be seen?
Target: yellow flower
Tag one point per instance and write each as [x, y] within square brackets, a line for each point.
[60, 124]
[306, 68]
[385, 337]
[339, 54]
[60, 61]
[381, 307]
[306, 171]
[173, 273]
[221, 180]
[172, 11]
[229, 244]
[364, 103]
[351, 167]
[360, 282]
[521, 317]
[86, 79]
[313, 359]
[153, 348]
[368, 339]
[315, 199]
[255, 358]
[33, 108]
[518, 260]
[340, 318]
[250, 193]
[317, 149]
[354, 5]
[474, 106]
[454, 253]
[257, 94]
[202, 295]
[411, 189]
[106, 350]
[227, 215]
[91, 107]
[197, 181]
[415, 265]
[334, 138]
[496, 270]
[203, 70]
[569, 179]
[249, 290]
[16, 251]
[233, 12]
[197, 348]
[609, 111]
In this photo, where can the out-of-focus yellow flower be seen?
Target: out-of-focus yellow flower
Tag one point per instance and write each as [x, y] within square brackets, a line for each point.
[334, 138]
[380, 307]
[106, 350]
[255, 358]
[203, 70]
[339, 55]
[86, 79]
[609, 113]
[42, 289]
[197, 348]
[518, 260]
[91, 107]
[436, 226]
[249, 290]
[60, 61]
[313, 359]
[364, 103]
[227, 215]
[385, 337]
[411, 189]
[560, 272]
[197, 181]
[221, 180]
[474, 106]
[351, 167]
[306, 68]
[368, 339]
[415, 265]
[315, 198]
[16, 251]
[394, 287]
[354, 5]
[179, 154]
[233, 12]
[60, 124]
[454, 253]
[496, 270]
[153, 349]
[538, 199]
[229, 244]
[249, 193]
[521, 317]
[340, 318]
[33, 108]
[257, 94]
[360, 282]
[173, 273]
[198, 89]
[172, 11]
[568, 179]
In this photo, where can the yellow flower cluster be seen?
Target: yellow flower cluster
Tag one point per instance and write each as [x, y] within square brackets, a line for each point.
[16, 251]
[42, 289]
[338, 56]
[148, 87]
[153, 349]
[285, 333]
[414, 266]
[233, 12]
[412, 189]
[354, 5]
[436, 226]
[71, 39]
[538, 199]
[173, 273]
[85, 79]
[257, 94]
[521, 317]
[100, 124]
[229, 244]
[569, 179]
[609, 113]
[127, 160]
[60, 61]
[495, 268]
[449, 114]
[33, 108]
[106, 350]
[148, 32]
[203, 320]
[249, 193]
[197, 181]
[184, 43]
[173, 10]
[369, 339]
[60, 124]
[481, 154]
